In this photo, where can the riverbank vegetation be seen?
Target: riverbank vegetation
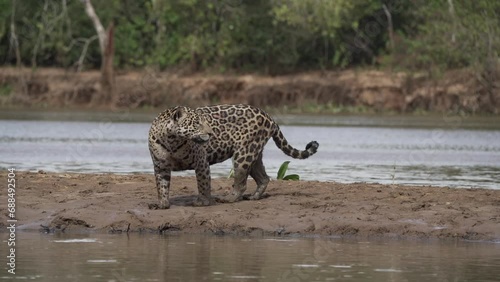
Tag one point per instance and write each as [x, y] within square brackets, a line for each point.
[426, 40]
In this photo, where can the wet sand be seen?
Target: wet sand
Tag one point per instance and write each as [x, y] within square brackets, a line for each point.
[65, 202]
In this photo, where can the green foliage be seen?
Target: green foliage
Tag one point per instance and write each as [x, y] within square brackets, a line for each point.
[270, 36]
[5, 90]
[5, 8]
[453, 34]
[294, 177]
[282, 171]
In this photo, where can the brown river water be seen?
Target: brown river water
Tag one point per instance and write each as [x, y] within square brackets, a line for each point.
[136, 257]
[439, 151]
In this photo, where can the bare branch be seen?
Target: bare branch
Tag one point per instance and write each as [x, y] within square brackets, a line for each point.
[389, 26]
[41, 36]
[50, 20]
[68, 19]
[451, 9]
[101, 33]
[79, 64]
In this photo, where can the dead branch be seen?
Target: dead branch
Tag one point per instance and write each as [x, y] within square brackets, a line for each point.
[79, 63]
[101, 33]
[390, 28]
[451, 9]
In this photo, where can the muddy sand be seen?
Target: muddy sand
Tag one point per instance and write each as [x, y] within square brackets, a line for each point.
[64, 202]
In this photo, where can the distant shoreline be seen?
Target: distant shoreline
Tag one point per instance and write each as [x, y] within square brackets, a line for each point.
[316, 92]
[410, 120]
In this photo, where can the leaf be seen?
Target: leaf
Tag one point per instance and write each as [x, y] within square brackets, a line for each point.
[231, 173]
[282, 170]
[294, 177]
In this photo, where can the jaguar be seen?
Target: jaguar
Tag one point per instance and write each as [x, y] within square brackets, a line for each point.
[184, 138]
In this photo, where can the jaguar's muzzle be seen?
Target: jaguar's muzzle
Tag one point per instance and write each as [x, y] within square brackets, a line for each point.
[201, 138]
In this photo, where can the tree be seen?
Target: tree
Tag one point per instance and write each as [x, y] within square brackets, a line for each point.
[106, 46]
[454, 34]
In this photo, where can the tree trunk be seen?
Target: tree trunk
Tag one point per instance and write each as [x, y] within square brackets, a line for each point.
[107, 74]
[106, 45]
[390, 27]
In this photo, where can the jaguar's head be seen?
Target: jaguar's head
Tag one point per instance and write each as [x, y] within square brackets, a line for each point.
[185, 123]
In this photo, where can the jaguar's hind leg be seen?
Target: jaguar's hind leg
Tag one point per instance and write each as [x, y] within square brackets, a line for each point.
[239, 186]
[241, 167]
[258, 173]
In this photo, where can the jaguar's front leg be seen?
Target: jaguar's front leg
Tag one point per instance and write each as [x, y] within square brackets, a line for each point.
[162, 176]
[203, 179]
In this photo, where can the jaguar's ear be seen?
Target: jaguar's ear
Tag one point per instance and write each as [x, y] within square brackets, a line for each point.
[178, 113]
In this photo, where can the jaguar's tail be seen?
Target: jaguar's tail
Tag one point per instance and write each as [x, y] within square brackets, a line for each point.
[282, 143]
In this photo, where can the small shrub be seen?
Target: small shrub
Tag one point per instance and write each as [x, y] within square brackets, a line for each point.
[282, 171]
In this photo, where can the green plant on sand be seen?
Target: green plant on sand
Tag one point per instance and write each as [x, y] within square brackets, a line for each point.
[281, 173]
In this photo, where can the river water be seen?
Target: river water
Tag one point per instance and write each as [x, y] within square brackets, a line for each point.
[438, 151]
[136, 257]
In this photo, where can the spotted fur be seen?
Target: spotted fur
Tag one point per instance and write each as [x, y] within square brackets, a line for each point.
[183, 138]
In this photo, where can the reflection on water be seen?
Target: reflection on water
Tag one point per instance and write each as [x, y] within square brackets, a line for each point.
[135, 257]
[347, 153]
